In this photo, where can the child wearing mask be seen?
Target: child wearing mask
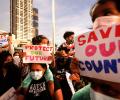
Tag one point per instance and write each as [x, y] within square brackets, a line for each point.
[38, 87]
[67, 48]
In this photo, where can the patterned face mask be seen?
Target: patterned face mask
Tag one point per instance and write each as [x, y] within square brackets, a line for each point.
[106, 21]
[70, 41]
[16, 60]
[36, 75]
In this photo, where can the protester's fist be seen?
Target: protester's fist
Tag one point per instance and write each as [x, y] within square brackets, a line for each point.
[75, 77]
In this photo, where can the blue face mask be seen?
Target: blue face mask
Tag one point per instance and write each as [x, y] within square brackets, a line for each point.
[36, 75]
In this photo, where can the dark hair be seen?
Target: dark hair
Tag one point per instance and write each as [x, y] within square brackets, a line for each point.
[38, 39]
[42, 64]
[117, 3]
[4, 55]
[67, 34]
[15, 53]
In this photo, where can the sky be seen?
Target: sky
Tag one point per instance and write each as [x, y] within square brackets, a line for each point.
[70, 15]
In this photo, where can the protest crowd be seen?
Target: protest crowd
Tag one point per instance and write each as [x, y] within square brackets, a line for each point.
[80, 69]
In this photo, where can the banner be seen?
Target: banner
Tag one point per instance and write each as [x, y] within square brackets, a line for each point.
[37, 54]
[99, 53]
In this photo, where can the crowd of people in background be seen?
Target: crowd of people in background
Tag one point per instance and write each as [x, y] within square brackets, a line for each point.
[42, 81]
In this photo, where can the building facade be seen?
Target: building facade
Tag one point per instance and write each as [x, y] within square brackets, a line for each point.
[35, 21]
[21, 12]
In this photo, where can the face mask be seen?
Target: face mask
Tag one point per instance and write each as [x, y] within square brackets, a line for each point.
[70, 41]
[99, 96]
[16, 60]
[36, 75]
[106, 21]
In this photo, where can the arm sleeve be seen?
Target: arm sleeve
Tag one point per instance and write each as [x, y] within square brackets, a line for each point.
[48, 75]
[26, 82]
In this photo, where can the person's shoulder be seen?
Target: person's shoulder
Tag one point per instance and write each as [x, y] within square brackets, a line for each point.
[82, 94]
[62, 45]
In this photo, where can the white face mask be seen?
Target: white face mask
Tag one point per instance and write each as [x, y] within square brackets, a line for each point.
[106, 21]
[16, 60]
[99, 96]
[36, 75]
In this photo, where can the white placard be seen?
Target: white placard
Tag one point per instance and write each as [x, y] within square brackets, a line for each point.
[37, 54]
[9, 95]
[3, 40]
[70, 82]
[99, 53]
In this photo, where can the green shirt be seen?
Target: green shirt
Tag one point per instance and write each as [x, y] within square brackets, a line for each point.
[82, 94]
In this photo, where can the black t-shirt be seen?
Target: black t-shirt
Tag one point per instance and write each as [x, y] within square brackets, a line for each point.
[12, 78]
[62, 65]
[38, 90]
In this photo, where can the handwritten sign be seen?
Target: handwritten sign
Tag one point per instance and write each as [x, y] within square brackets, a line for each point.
[99, 53]
[37, 54]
